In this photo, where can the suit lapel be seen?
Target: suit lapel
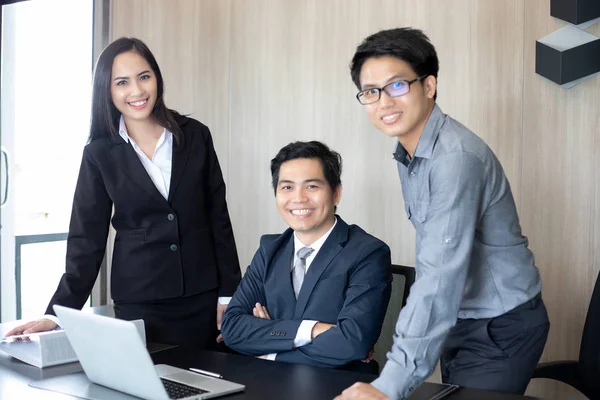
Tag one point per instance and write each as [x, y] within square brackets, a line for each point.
[180, 157]
[283, 269]
[129, 161]
[332, 246]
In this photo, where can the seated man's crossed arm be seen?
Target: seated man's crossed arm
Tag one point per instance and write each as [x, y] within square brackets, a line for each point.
[342, 318]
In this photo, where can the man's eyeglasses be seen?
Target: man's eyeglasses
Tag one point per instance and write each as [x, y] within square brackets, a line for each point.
[393, 89]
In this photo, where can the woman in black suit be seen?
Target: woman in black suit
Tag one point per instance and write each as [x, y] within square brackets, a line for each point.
[175, 261]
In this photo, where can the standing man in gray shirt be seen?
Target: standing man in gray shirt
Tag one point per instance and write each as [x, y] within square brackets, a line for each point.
[476, 305]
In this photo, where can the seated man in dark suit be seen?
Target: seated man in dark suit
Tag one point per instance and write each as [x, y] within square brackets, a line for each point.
[317, 293]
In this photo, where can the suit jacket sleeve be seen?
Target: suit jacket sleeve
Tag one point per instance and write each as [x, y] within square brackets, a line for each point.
[88, 232]
[229, 273]
[359, 322]
[246, 333]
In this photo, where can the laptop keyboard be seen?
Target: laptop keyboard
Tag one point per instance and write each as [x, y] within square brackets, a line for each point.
[177, 390]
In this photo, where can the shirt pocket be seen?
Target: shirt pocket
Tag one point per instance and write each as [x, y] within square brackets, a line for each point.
[421, 204]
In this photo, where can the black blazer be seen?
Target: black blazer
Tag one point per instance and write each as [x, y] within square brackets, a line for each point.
[163, 248]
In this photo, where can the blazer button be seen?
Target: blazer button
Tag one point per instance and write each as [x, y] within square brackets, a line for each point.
[170, 217]
[277, 333]
[173, 247]
[272, 333]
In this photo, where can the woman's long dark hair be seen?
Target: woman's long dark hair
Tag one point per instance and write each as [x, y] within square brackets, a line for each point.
[105, 116]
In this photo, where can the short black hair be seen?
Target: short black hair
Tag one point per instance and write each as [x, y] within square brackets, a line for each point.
[407, 44]
[331, 161]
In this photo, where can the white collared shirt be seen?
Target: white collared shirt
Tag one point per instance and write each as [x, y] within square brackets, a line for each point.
[159, 167]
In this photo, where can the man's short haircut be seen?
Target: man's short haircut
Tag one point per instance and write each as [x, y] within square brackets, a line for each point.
[407, 44]
[330, 160]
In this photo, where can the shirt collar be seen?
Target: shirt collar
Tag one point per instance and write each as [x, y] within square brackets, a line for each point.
[167, 135]
[428, 137]
[316, 246]
[123, 130]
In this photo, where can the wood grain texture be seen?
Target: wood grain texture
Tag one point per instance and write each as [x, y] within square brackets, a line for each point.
[559, 201]
[290, 68]
[190, 41]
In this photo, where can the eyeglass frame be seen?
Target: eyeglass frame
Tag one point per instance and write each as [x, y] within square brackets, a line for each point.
[382, 89]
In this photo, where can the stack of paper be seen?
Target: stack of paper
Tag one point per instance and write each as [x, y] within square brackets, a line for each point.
[45, 349]
[42, 349]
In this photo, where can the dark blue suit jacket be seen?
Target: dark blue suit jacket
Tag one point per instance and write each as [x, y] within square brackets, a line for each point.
[347, 284]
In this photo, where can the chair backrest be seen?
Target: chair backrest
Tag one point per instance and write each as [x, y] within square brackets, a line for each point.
[404, 277]
[589, 351]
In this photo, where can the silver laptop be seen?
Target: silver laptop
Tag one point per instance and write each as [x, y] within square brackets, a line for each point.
[112, 354]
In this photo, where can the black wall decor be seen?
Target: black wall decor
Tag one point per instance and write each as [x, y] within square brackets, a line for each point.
[575, 12]
[570, 55]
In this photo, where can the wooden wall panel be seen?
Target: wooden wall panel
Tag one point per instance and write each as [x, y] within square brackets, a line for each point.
[493, 106]
[559, 201]
[190, 40]
[290, 81]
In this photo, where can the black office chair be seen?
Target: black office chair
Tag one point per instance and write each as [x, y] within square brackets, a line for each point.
[584, 374]
[404, 277]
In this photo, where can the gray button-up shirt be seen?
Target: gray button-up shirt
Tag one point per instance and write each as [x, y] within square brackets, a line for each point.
[472, 260]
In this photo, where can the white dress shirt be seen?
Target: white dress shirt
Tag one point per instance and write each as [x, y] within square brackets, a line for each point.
[304, 334]
[159, 166]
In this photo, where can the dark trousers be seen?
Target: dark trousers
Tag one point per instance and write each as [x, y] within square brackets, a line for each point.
[498, 354]
[190, 320]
